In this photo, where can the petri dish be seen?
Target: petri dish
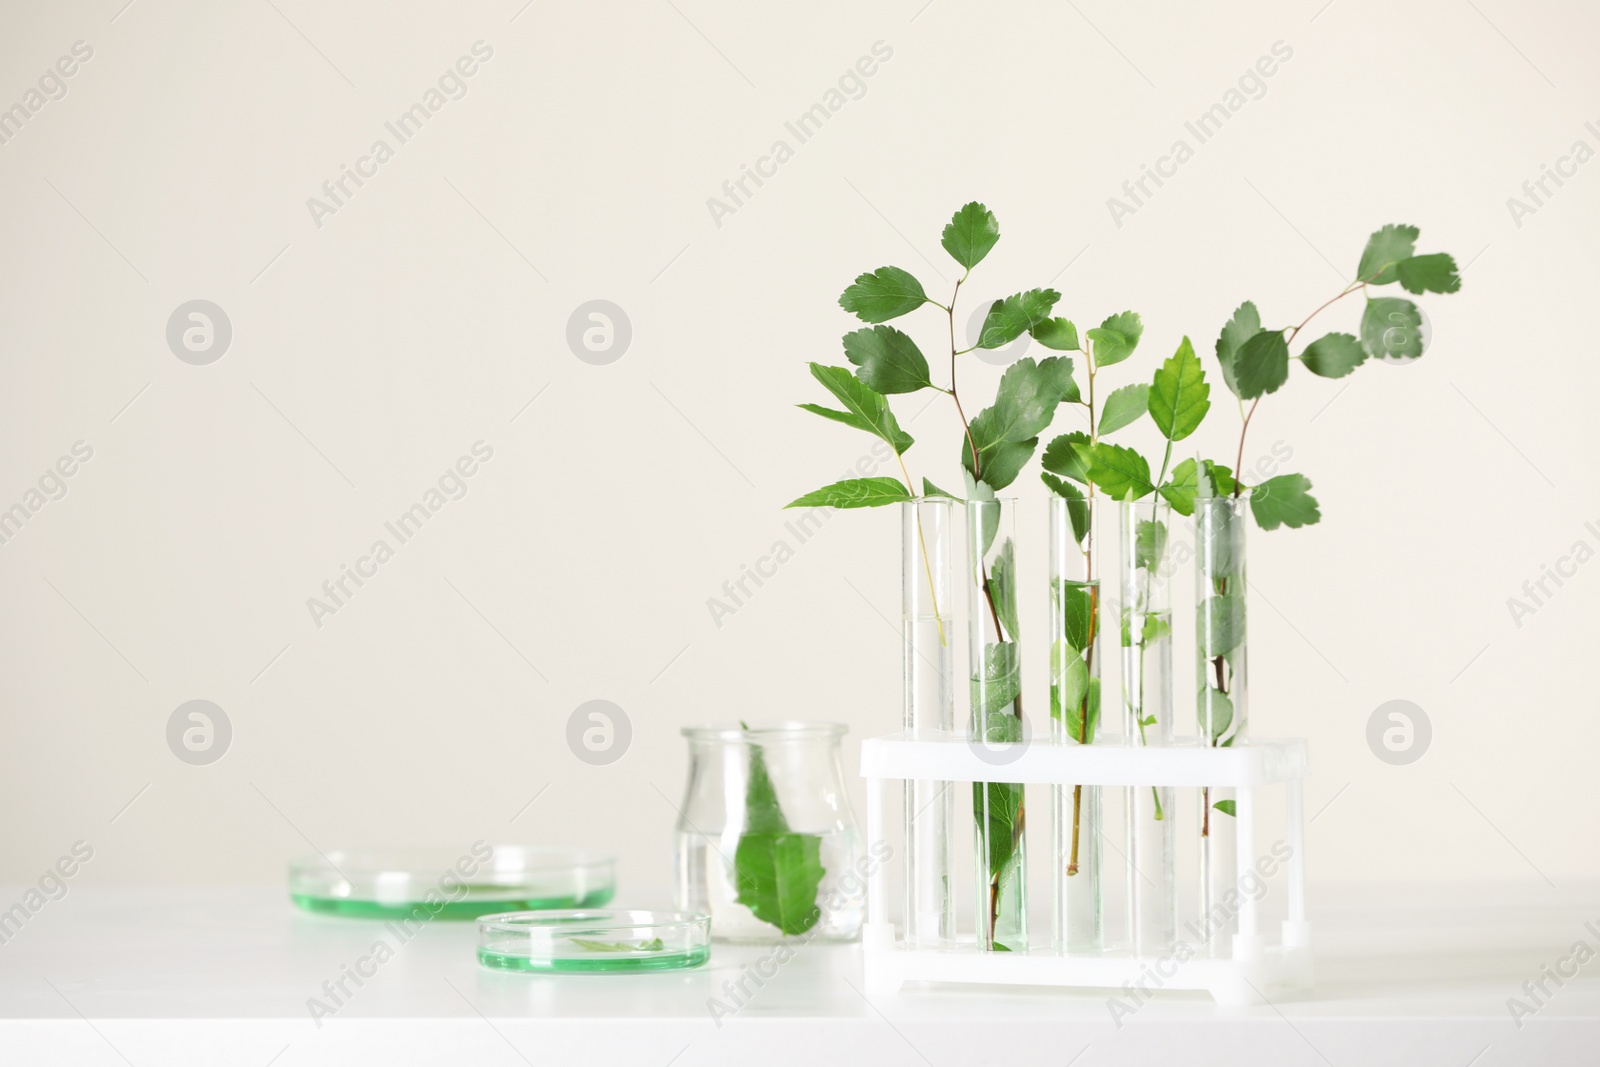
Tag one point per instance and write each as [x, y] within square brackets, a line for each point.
[426, 884]
[594, 941]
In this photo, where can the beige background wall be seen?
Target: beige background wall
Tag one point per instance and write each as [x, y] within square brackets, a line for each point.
[371, 351]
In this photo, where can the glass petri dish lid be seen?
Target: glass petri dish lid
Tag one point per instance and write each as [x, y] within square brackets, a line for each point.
[425, 884]
[594, 941]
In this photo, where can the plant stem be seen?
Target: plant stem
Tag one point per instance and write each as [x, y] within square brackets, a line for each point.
[988, 593]
[1293, 331]
[1094, 618]
[927, 566]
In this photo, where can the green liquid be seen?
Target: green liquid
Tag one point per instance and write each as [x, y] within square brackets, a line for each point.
[469, 908]
[598, 963]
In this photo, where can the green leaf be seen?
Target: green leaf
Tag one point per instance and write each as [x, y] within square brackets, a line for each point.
[1245, 324]
[929, 489]
[1116, 338]
[778, 876]
[1262, 364]
[1124, 406]
[890, 361]
[1213, 479]
[870, 408]
[1057, 333]
[1121, 472]
[1216, 710]
[1001, 460]
[1219, 538]
[777, 871]
[1435, 273]
[1179, 396]
[1003, 588]
[1284, 501]
[1334, 355]
[1222, 624]
[971, 234]
[1392, 328]
[854, 493]
[1075, 601]
[1069, 679]
[1385, 249]
[886, 293]
[1014, 316]
[1150, 544]
[1007, 433]
[998, 809]
[1179, 491]
[1077, 504]
[1064, 456]
[1227, 807]
[653, 945]
[1080, 716]
[1001, 681]
[1055, 374]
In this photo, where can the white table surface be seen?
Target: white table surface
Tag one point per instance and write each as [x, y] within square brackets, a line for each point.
[222, 977]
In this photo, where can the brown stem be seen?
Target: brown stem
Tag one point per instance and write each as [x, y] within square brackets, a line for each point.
[1238, 462]
[1077, 803]
[965, 427]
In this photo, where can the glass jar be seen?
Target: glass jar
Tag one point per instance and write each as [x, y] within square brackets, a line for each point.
[766, 843]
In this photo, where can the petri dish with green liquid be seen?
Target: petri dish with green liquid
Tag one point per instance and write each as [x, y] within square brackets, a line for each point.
[594, 941]
[452, 884]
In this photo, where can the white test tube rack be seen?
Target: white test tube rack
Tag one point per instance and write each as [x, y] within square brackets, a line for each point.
[1246, 972]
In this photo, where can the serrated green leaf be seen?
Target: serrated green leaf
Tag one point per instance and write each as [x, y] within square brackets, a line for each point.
[1222, 621]
[1245, 324]
[886, 293]
[1076, 603]
[1213, 479]
[1006, 434]
[1219, 537]
[1149, 544]
[1001, 461]
[1079, 717]
[1069, 679]
[1333, 355]
[1014, 316]
[1124, 406]
[1284, 501]
[971, 234]
[997, 807]
[889, 361]
[1216, 712]
[1077, 504]
[1180, 489]
[1003, 589]
[1385, 249]
[1121, 472]
[1434, 273]
[1179, 395]
[1116, 338]
[931, 490]
[1058, 333]
[999, 685]
[1063, 456]
[1391, 328]
[868, 406]
[1055, 374]
[854, 493]
[1262, 364]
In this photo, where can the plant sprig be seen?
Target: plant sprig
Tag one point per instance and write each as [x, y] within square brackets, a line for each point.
[1255, 361]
